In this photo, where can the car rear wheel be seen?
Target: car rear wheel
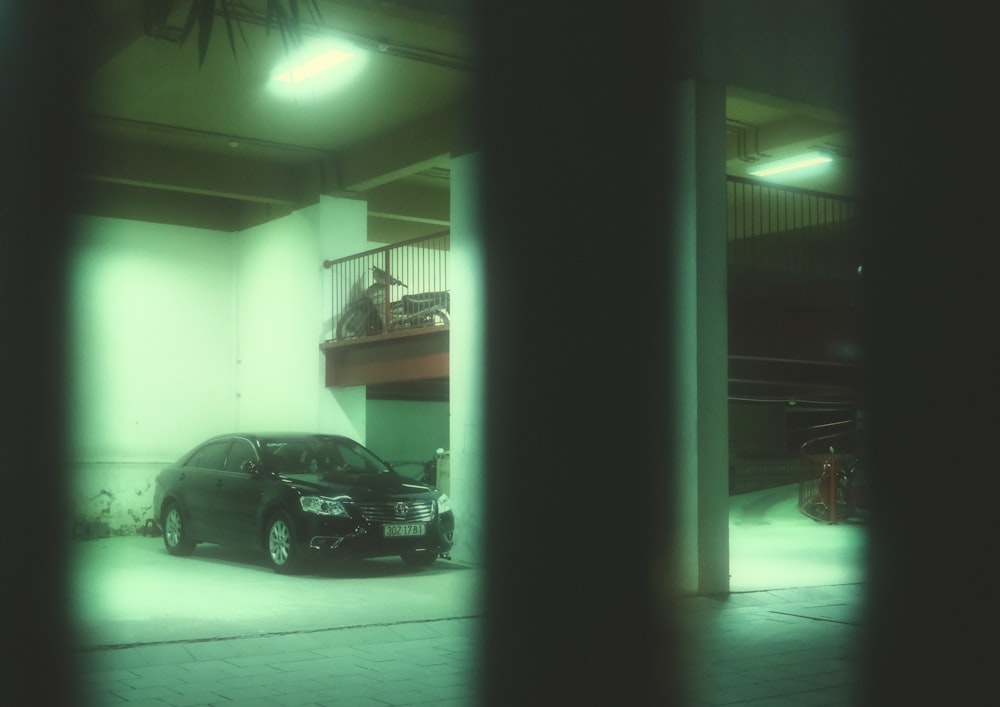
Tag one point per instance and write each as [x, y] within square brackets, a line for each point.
[282, 552]
[175, 537]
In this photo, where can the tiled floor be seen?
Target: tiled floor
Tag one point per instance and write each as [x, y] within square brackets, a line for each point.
[427, 663]
[221, 629]
[776, 648]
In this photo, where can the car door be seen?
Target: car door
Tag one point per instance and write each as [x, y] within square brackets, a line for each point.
[197, 483]
[238, 495]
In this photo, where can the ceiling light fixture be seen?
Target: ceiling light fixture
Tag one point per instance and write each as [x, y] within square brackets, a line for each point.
[312, 67]
[809, 159]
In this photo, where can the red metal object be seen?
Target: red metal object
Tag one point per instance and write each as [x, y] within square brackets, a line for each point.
[834, 485]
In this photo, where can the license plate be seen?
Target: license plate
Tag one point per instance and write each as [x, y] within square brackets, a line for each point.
[405, 530]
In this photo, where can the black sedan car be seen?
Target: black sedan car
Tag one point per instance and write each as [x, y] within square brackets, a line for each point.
[297, 495]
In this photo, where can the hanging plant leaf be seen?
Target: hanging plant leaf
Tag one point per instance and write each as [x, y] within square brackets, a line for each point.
[289, 22]
[202, 14]
[228, 17]
[276, 15]
[206, 18]
[283, 15]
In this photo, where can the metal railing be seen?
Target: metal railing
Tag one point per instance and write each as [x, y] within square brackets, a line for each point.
[790, 233]
[833, 486]
[747, 474]
[388, 289]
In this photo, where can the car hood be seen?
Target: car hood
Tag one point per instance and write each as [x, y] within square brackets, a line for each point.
[358, 486]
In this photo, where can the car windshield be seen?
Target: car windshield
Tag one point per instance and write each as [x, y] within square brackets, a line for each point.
[319, 455]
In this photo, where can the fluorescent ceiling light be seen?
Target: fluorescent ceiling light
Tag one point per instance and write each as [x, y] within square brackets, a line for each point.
[809, 159]
[312, 67]
[316, 71]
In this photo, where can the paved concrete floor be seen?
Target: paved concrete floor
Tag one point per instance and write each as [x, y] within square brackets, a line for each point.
[773, 546]
[130, 591]
[221, 628]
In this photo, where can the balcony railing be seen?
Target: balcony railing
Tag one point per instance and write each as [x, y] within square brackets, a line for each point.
[777, 236]
[399, 287]
[783, 235]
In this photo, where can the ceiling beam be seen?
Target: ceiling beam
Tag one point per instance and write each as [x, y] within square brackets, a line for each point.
[406, 151]
[798, 130]
[173, 168]
[383, 231]
[407, 201]
[122, 201]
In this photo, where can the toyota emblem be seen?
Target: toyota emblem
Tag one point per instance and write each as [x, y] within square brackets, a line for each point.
[401, 509]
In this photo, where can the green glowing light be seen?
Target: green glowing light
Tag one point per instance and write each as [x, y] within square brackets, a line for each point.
[809, 159]
[314, 66]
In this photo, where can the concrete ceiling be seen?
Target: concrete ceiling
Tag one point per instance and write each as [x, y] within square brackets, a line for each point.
[213, 145]
[762, 128]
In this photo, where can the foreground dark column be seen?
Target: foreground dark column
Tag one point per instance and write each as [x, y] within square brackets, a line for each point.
[931, 296]
[576, 118]
[39, 59]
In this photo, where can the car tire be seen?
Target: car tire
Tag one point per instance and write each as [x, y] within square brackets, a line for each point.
[360, 318]
[419, 559]
[175, 537]
[282, 552]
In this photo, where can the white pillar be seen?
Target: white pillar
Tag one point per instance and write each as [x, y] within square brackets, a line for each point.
[700, 397]
[466, 280]
[343, 231]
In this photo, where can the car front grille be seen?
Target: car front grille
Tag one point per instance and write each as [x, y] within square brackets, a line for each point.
[397, 511]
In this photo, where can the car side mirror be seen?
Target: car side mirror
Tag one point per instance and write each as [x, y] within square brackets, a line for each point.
[251, 467]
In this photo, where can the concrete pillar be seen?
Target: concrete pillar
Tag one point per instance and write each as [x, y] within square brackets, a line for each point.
[467, 283]
[700, 397]
[579, 440]
[700, 394]
[343, 231]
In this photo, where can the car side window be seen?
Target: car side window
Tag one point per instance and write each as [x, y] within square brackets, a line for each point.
[241, 453]
[290, 458]
[211, 456]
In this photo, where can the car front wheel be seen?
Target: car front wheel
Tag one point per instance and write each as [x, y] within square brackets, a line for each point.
[175, 537]
[281, 549]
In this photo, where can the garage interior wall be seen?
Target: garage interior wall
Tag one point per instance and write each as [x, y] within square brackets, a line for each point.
[407, 430]
[180, 333]
[152, 316]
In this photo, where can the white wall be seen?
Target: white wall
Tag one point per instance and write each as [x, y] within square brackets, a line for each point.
[284, 313]
[279, 320]
[153, 334]
[407, 430]
[181, 333]
[151, 358]
[343, 228]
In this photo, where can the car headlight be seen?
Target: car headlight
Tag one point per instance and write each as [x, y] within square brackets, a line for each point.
[444, 503]
[322, 506]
